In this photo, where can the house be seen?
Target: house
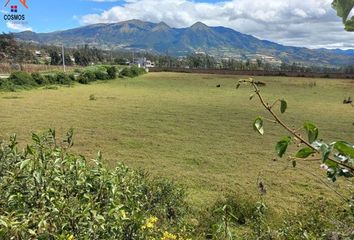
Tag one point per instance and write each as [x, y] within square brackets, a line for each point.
[38, 53]
[143, 63]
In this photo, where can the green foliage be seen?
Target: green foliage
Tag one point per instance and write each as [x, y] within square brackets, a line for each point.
[7, 85]
[100, 75]
[86, 77]
[49, 193]
[39, 79]
[220, 221]
[283, 106]
[312, 131]
[22, 79]
[112, 72]
[51, 78]
[258, 125]
[317, 223]
[344, 7]
[132, 72]
[63, 78]
[305, 152]
[282, 146]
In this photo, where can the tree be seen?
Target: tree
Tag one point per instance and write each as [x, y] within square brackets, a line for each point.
[55, 58]
[343, 8]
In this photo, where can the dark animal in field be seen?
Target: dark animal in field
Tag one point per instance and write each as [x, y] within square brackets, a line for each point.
[348, 101]
[262, 188]
[218, 85]
[260, 83]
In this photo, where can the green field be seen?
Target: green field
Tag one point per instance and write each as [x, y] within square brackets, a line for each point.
[182, 127]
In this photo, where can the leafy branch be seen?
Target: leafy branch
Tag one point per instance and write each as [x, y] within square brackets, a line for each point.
[343, 8]
[337, 157]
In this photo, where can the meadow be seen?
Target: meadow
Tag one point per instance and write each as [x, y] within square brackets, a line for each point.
[181, 127]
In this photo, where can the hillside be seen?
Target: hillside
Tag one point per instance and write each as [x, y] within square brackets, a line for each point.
[160, 38]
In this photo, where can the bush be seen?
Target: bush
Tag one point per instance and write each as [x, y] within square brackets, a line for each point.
[133, 71]
[86, 77]
[101, 75]
[126, 72]
[112, 72]
[22, 79]
[49, 193]
[72, 77]
[39, 79]
[7, 85]
[50, 78]
[62, 78]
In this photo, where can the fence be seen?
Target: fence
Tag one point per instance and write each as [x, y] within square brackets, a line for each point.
[255, 73]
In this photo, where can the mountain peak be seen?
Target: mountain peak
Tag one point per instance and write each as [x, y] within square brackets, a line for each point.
[160, 27]
[199, 26]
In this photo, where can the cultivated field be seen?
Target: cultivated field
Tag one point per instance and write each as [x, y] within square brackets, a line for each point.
[182, 127]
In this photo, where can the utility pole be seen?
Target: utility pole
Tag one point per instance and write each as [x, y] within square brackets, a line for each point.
[63, 55]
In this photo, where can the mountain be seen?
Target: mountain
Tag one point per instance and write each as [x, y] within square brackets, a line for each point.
[160, 38]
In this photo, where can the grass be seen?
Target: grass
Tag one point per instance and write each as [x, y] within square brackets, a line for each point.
[182, 127]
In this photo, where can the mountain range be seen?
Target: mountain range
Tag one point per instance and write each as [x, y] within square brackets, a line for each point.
[160, 38]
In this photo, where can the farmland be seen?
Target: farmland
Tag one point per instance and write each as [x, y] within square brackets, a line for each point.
[180, 126]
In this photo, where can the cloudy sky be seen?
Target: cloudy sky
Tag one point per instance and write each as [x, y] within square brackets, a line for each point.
[309, 23]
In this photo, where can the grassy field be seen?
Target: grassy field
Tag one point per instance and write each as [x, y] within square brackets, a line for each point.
[182, 127]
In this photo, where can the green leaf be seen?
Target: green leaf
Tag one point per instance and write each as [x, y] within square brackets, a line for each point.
[36, 138]
[282, 146]
[343, 7]
[344, 148]
[283, 106]
[25, 163]
[312, 131]
[325, 152]
[3, 223]
[305, 152]
[258, 125]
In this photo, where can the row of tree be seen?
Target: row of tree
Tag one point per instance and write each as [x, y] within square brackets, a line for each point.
[12, 51]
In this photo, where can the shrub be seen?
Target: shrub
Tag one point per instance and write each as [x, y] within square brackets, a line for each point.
[86, 77]
[7, 85]
[72, 77]
[62, 78]
[49, 193]
[100, 75]
[22, 79]
[51, 79]
[126, 72]
[227, 214]
[133, 71]
[39, 79]
[112, 72]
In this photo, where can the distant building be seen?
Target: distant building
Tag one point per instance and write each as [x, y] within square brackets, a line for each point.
[38, 53]
[143, 63]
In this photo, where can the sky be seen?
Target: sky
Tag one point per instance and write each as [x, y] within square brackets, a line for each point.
[304, 23]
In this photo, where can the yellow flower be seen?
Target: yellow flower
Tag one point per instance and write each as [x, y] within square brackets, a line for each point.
[71, 237]
[150, 223]
[168, 236]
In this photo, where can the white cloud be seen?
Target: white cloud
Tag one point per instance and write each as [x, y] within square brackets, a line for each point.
[18, 27]
[310, 23]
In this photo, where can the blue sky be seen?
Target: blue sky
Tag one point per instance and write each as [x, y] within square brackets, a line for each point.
[310, 23]
[47, 16]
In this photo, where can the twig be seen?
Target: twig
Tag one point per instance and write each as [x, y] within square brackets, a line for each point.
[293, 132]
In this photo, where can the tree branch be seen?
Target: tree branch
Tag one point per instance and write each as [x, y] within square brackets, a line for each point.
[291, 131]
